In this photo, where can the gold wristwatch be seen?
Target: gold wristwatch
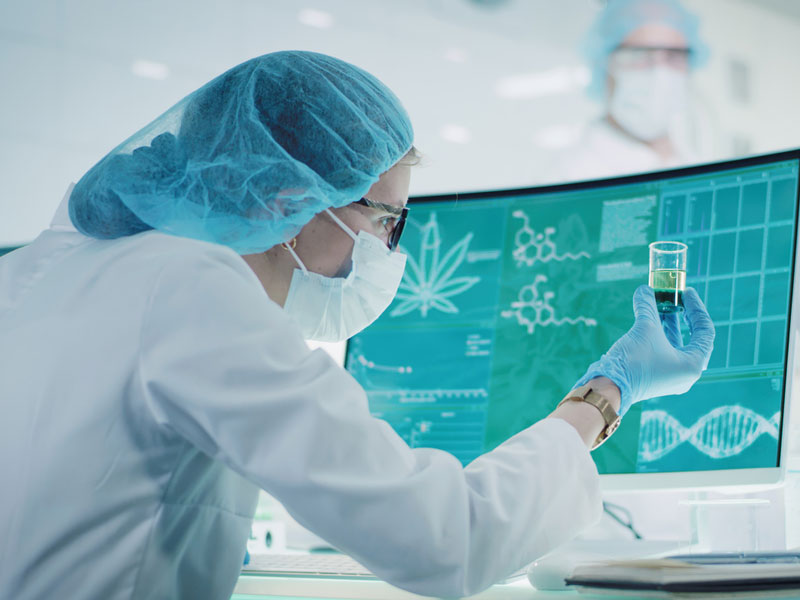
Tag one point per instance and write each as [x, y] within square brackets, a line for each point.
[587, 394]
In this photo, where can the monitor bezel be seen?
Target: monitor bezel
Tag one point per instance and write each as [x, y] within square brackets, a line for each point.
[737, 479]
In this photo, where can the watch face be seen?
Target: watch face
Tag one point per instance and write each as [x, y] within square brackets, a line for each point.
[606, 433]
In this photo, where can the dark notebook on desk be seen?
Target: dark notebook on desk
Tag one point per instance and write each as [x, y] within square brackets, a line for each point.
[713, 573]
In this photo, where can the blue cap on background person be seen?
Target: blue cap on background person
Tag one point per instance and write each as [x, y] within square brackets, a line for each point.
[620, 18]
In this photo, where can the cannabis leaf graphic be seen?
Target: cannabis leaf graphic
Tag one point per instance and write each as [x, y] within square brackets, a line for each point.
[428, 283]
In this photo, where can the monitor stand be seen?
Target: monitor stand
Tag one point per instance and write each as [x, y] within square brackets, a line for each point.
[717, 524]
[726, 524]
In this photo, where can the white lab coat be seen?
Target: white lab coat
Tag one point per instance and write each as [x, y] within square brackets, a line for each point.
[603, 151]
[150, 387]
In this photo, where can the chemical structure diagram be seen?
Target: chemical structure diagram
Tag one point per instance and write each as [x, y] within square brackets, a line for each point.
[723, 432]
[532, 307]
[533, 247]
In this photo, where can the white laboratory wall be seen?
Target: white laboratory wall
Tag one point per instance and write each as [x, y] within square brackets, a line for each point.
[751, 85]
[70, 93]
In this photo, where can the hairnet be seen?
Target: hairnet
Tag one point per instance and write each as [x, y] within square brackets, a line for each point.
[251, 157]
[620, 17]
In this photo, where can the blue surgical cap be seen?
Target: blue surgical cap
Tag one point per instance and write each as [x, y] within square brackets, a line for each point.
[621, 17]
[248, 159]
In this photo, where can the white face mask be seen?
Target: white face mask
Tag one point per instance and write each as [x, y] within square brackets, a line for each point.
[646, 101]
[332, 309]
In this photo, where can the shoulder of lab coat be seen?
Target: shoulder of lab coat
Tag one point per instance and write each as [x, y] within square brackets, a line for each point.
[225, 367]
[603, 151]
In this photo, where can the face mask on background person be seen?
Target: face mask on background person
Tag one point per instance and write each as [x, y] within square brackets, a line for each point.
[332, 309]
[645, 102]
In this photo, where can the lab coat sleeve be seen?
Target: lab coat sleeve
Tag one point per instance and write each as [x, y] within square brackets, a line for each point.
[225, 368]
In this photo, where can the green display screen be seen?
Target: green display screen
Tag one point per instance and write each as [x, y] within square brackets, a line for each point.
[509, 296]
[6, 250]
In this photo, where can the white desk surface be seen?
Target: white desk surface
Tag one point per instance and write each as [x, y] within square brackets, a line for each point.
[255, 586]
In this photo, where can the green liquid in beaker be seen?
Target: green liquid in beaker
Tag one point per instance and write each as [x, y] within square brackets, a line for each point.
[668, 285]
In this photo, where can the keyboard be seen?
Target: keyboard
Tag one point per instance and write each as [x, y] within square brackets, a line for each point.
[307, 565]
[325, 565]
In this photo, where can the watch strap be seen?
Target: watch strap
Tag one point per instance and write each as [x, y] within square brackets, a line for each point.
[587, 394]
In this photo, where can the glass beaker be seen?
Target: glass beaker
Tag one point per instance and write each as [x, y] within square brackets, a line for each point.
[668, 275]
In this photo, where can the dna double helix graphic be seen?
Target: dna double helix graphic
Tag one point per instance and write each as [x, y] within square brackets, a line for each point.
[533, 247]
[723, 432]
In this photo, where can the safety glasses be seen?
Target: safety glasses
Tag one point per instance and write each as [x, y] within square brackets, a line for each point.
[399, 224]
[637, 57]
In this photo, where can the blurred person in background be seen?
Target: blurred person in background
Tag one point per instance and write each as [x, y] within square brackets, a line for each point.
[641, 54]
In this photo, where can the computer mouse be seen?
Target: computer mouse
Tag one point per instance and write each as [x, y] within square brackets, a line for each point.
[549, 572]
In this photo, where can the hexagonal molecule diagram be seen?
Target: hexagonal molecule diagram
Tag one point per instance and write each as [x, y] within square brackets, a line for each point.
[533, 247]
[532, 308]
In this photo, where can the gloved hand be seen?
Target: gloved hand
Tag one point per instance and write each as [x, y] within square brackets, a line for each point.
[650, 360]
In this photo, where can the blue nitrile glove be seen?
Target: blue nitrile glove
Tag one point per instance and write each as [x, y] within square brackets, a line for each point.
[651, 360]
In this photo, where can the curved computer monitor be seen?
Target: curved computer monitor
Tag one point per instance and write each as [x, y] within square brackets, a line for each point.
[509, 295]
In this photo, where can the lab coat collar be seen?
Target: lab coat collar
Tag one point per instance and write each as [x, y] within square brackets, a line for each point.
[61, 220]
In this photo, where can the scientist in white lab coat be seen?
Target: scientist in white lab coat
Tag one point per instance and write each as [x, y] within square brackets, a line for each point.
[641, 54]
[154, 371]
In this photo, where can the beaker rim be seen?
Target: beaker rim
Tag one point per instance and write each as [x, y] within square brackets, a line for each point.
[680, 246]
